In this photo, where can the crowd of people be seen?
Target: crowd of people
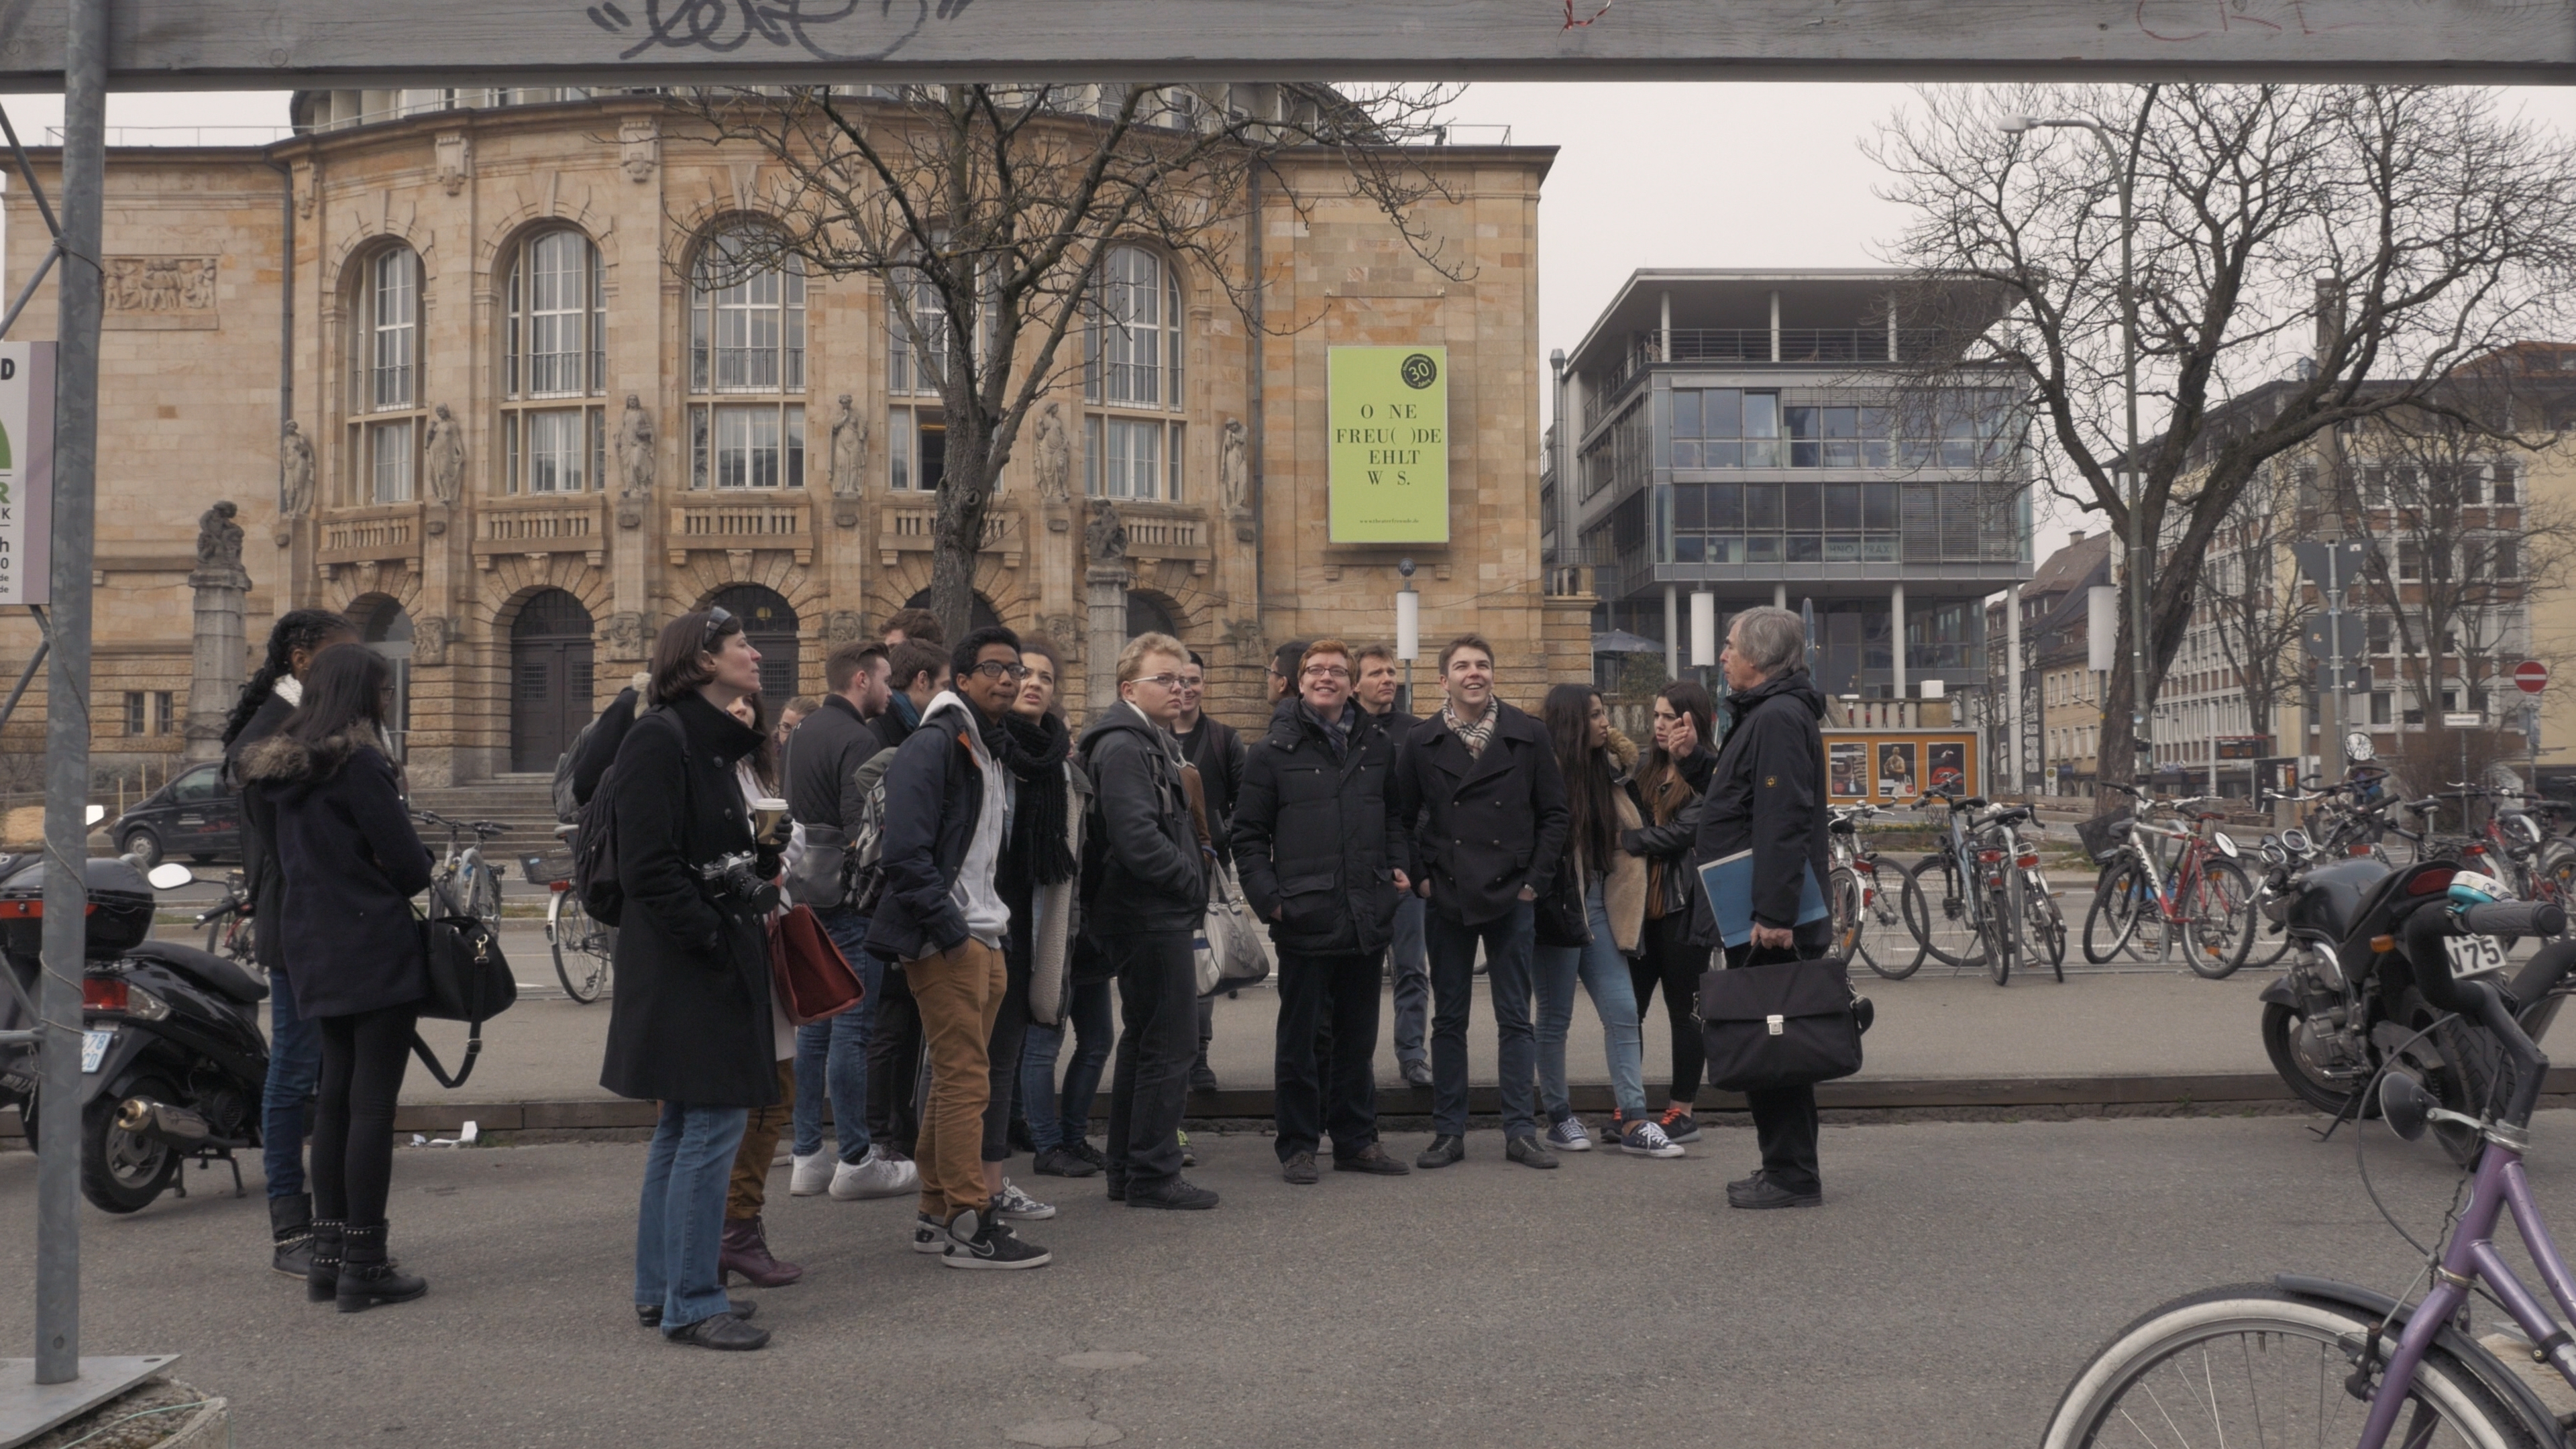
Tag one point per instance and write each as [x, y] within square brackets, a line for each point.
[991, 878]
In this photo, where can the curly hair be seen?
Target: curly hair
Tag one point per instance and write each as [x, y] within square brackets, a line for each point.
[305, 629]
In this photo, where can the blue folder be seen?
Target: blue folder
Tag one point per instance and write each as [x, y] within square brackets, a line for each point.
[1728, 881]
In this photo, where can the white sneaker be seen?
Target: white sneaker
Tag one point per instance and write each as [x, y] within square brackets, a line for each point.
[874, 1176]
[811, 1174]
[1017, 1204]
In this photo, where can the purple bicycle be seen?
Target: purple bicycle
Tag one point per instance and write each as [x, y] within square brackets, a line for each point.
[2310, 1361]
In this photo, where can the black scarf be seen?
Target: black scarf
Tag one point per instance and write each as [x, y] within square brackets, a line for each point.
[1034, 751]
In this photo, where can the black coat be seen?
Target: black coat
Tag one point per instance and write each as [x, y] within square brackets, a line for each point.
[934, 799]
[1218, 752]
[596, 748]
[1146, 871]
[1317, 837]
[1395, 724]
[1767, 795]
[1489, 825]
[259, 851]
[1675, 842]
[823, 759]
[690, 1020]
[348, 864]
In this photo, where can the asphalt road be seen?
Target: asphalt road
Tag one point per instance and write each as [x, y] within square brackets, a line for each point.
[1953, 1282]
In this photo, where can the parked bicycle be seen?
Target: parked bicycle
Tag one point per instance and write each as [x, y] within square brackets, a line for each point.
[2514, 846]
[583, 947]
[229, 926]
[464, 882]
[2143, 903]
[1979, 899]
[1862, 897]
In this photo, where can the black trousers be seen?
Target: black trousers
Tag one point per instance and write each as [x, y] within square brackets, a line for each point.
[1671, 961]
[1341, 989]
[1157, 1041]
[1002, 1050]
[894, 1065]
[1784, 1118]
[363, 1060]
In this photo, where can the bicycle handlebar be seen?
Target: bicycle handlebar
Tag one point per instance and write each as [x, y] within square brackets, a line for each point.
[2515, 918]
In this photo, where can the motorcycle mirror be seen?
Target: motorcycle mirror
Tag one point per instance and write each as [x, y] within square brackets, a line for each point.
[2295, 841]
[2226, 844]
[2358, 749]
[94, 814]
[2405, 1105]
[169, 876]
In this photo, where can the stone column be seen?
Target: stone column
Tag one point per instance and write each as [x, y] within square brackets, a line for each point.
[1105, 597]
[221, 657]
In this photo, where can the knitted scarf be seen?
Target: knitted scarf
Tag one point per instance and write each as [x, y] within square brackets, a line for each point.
[1034, 751]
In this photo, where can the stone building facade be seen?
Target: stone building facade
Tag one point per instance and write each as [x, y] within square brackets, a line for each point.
[533, 438]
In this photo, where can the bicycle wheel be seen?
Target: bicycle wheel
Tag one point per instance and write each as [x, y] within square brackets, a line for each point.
[2218, 914]
[1896, 954]
[2043, 927]
[580, 948]
[1843, 897]
[2000, 923]
[2120, 897]
[2250, 1364]
[483, 895]
[1938, 913]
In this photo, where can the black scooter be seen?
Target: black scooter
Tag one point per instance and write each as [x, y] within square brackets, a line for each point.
[173, 1062]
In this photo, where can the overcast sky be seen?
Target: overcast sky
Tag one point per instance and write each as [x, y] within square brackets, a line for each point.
[1696, 175]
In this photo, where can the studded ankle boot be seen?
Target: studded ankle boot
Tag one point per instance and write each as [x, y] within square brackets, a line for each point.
[368, 1278]
[290, 1231]
[322, 1273]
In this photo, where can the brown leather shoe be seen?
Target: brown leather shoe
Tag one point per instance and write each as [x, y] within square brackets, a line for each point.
[1371, 1158]
[745, 1250]
[1299, 1168]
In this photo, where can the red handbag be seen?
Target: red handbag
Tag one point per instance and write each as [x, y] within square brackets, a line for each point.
[807, 970]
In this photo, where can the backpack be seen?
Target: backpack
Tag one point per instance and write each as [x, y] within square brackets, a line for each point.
[567, 809]
[865, 874]
[594, 847]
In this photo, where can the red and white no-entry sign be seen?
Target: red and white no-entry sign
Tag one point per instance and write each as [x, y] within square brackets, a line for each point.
[2531, 676]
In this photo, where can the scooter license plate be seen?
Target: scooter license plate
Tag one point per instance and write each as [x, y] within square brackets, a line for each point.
[94, 1045]
[2473, 955]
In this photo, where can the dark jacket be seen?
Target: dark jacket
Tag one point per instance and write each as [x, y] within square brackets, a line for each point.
[348, 864]
[823, 759]
[1488, 825]
[596, 749]
[1218, 752]
[1317, 836]
[934, 798]
[1146, 871]
[1767, 795]
[1673, 844]
[1395, 724]
[896, 725]
[690, 1020]
[259, 851]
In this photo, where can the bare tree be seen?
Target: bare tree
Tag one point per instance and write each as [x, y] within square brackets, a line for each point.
[987, 212]
[2257, 621]
[2389, 235]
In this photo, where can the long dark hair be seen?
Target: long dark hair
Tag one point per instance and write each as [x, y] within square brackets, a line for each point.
[1665, 788]
[306, 629]
[1593, 830]
[345, 689]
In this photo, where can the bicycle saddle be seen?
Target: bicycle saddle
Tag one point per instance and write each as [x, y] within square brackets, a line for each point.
[2008, 815]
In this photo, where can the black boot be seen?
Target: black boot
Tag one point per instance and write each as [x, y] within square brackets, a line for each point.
[369, 1279]
[290, 1226]
[322, 1278]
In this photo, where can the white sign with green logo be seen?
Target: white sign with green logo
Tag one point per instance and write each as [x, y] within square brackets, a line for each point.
[1390, 451]
[26, 470]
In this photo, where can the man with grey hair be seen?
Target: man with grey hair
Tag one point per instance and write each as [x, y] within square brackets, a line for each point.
[1767, 795]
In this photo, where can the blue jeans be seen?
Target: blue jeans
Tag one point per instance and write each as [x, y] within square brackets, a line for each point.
[1058, 1119]
[1507, 941]
[679, 1225]
[1412, 979]
[832, 1056]
[294, 1075]
[1604, 973]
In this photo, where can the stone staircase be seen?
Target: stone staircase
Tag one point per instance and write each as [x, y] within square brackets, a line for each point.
[525, 803]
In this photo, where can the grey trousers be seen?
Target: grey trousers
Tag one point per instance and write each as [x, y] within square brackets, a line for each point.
[1411, 968]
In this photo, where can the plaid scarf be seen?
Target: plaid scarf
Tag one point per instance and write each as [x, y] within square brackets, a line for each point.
[1473, 736]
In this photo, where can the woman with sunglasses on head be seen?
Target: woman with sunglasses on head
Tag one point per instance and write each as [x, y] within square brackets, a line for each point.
[690, 1026]
[348, 863]
[1668, 791]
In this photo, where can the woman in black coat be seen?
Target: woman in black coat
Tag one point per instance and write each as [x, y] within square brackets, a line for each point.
[348, 864]
[690, 1026]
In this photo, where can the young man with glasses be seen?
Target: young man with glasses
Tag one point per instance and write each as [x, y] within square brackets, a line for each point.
[1213, 746]
[1144, 892]
[948, 807]
[1374, 694]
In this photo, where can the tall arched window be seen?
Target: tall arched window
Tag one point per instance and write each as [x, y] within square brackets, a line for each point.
[1132, 378]
[554, 348]
[747, 342]
[384, 377]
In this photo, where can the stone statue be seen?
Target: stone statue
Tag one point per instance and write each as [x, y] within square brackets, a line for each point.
[295, 481]
[1234, 467]
[635, 450]
[443, 454]
[1054, 455]
[1106, 538]
[625, 636]
[849, 452]
[219, 539]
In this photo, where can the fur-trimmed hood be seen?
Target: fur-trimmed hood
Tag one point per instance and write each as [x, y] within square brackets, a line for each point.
[285, 765]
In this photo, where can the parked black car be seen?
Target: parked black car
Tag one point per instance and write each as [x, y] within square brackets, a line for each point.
[193, 815]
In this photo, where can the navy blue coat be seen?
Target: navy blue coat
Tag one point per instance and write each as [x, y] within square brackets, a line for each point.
[348, 864]
[1488, 825]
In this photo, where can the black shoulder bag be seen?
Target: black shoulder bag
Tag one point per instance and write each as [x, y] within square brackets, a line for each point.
[1787, 1025]
[469, 981]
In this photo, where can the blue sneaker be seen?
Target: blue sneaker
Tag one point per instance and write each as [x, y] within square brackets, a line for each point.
[1569, 1135]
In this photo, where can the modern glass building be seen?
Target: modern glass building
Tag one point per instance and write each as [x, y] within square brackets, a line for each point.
[1785, 438]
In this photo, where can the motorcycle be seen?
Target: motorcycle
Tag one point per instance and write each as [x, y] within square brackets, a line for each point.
[173, 1062]
[2348, 1002]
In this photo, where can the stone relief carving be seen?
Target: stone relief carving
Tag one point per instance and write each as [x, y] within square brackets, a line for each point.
[1105, 540]
[634, 462]
[624, 635]
[639, 148]
[849, 451]
[429, 640]
[443, 454]
[843, 626]
[1054, 455]
[1234, 467]
[161, 284]
[455, 160]
[219, 539]
[295, 474]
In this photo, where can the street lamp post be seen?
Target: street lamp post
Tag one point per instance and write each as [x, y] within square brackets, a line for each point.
[2137, 539]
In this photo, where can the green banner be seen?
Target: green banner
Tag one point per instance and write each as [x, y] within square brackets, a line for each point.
[1390, 453]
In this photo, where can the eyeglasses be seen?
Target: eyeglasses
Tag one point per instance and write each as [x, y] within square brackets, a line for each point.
[1326, 671]
[996, 669]
[1165, 681]
[718, 619]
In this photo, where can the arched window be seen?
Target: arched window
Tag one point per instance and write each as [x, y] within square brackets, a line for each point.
[1132, 375]
[384, 377]
[554, 348]
[747, 340]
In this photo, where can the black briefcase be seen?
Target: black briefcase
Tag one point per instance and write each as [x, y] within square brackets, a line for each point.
[1788, 1025]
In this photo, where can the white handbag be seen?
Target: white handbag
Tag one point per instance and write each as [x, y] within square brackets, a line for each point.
[1233, 950]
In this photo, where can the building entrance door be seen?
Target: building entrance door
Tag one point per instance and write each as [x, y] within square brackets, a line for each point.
[549, 678]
